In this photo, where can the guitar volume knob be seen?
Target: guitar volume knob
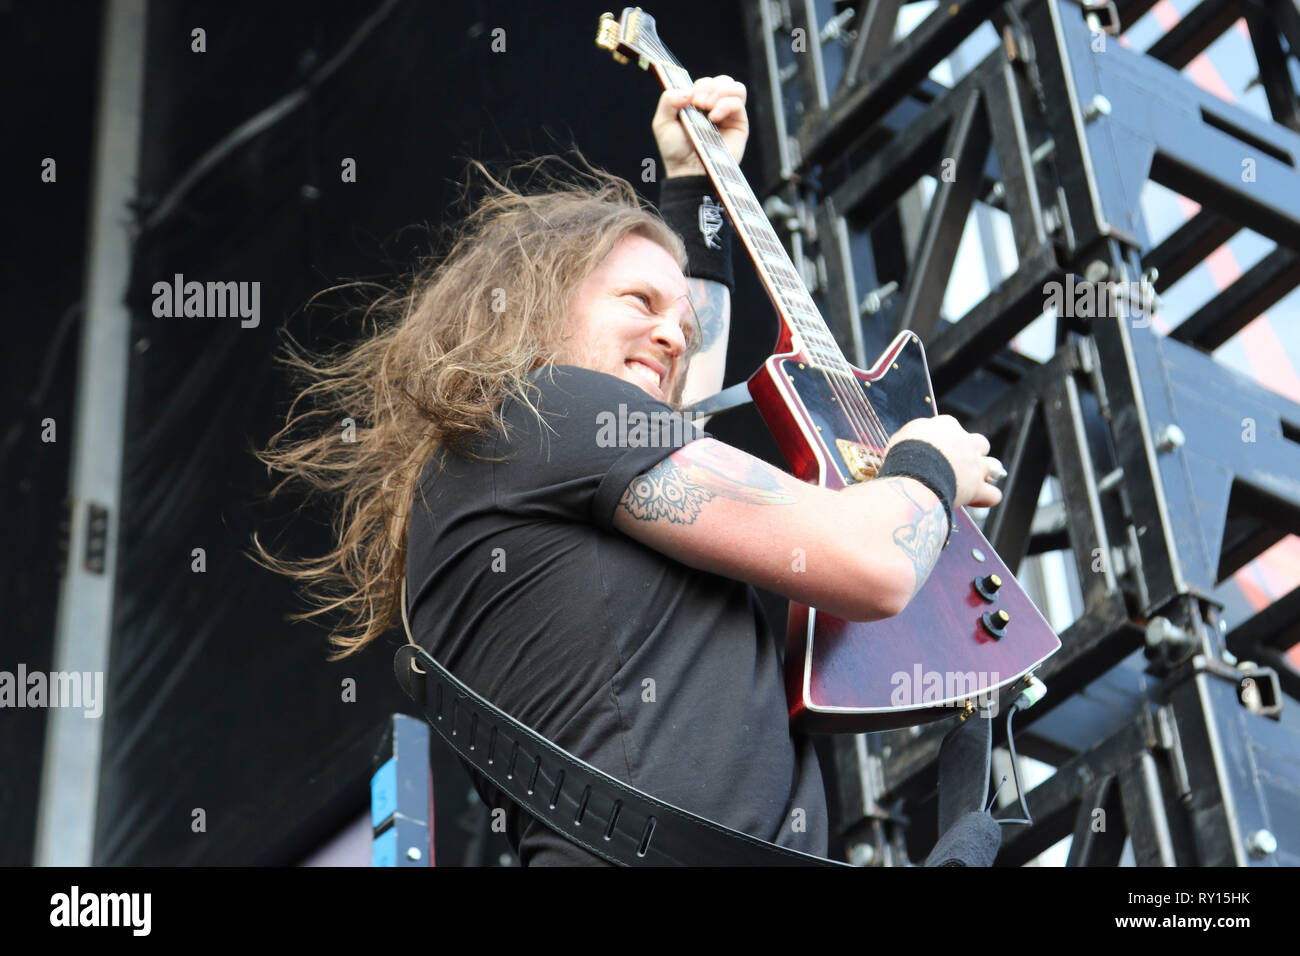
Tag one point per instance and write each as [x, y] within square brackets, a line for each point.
[987, 586]
[995, 623]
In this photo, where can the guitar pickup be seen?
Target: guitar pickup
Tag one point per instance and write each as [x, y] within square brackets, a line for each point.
[862, 462]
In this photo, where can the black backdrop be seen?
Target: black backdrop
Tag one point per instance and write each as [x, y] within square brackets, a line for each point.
[214, 700]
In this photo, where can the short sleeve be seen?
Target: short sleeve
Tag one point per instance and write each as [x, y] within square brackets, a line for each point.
[601, 432]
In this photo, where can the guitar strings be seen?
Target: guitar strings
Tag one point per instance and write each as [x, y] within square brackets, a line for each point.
[858, 411]
[852, 401]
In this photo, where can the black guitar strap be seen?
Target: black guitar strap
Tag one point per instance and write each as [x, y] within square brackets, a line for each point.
[599, 813]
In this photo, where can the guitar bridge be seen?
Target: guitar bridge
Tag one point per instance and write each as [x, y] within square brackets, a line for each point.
[863, 463]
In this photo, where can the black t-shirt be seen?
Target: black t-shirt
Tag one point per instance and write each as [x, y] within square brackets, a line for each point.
[664, 676]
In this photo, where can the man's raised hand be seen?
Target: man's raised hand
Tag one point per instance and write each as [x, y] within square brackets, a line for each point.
[722, 100]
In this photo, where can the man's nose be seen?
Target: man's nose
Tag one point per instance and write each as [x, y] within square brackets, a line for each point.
[669, 334]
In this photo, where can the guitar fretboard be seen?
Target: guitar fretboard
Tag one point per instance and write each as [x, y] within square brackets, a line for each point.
[783, 282]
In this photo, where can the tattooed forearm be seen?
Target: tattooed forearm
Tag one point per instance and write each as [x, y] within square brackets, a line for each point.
[708, 362]
[712, 301]
[676, 493]
[921, 537]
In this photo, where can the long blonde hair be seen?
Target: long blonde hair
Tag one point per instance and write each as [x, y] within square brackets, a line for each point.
[446, 348]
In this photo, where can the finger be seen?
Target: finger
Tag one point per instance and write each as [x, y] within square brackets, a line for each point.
[732, 88]
[727, 108]
[720, 91]
[705, 99]
[670, 104]
[708, 82]
[988, 496]
[981, 443]
[708, 91]
[703, 88]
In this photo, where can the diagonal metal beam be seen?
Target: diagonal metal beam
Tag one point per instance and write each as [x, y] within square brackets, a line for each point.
[969, 343]
[1276, 626]
[1274, 75]
[1025, 459]
[966, 147]
[1188, 246]
[1265, 284]
[889, 79]
[1203, 24]
[875, 28]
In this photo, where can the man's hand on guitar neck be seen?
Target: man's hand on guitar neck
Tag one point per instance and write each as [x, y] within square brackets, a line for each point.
[722, 100]
[967, 452]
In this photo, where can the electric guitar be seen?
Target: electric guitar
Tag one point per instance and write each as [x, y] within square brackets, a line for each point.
[971, 631]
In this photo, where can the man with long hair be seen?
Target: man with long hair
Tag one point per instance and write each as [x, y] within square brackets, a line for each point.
[577, 550]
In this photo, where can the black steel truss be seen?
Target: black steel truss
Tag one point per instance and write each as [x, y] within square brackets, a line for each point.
[1173, 472]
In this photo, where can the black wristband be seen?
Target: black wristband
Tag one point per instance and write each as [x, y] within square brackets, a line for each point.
[690, 206]
[922, 461]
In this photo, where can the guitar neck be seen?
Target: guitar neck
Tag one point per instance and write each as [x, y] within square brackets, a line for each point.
[783, 283]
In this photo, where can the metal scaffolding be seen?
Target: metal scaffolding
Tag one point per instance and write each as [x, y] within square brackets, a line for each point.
[1172, 471]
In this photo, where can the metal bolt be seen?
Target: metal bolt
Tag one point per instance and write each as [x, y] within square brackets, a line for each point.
[1161, 630]
[835, 28]
[1251, 698]
[413, 853]
[1262, 843]
[875, 301]
[861, 854]
[1052, 221]
[977, 554]
[1096, 271]
[777, 208]
[1171, 437]
[1098, 106]
[1110, 480]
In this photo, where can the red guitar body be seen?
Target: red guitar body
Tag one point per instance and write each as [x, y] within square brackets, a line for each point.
[923, 664]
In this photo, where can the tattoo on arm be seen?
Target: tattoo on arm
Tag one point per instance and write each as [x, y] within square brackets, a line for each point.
[921, 537]
[675, 493]
[712, 301]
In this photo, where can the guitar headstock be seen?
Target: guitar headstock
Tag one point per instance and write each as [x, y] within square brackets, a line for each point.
[633, 35]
